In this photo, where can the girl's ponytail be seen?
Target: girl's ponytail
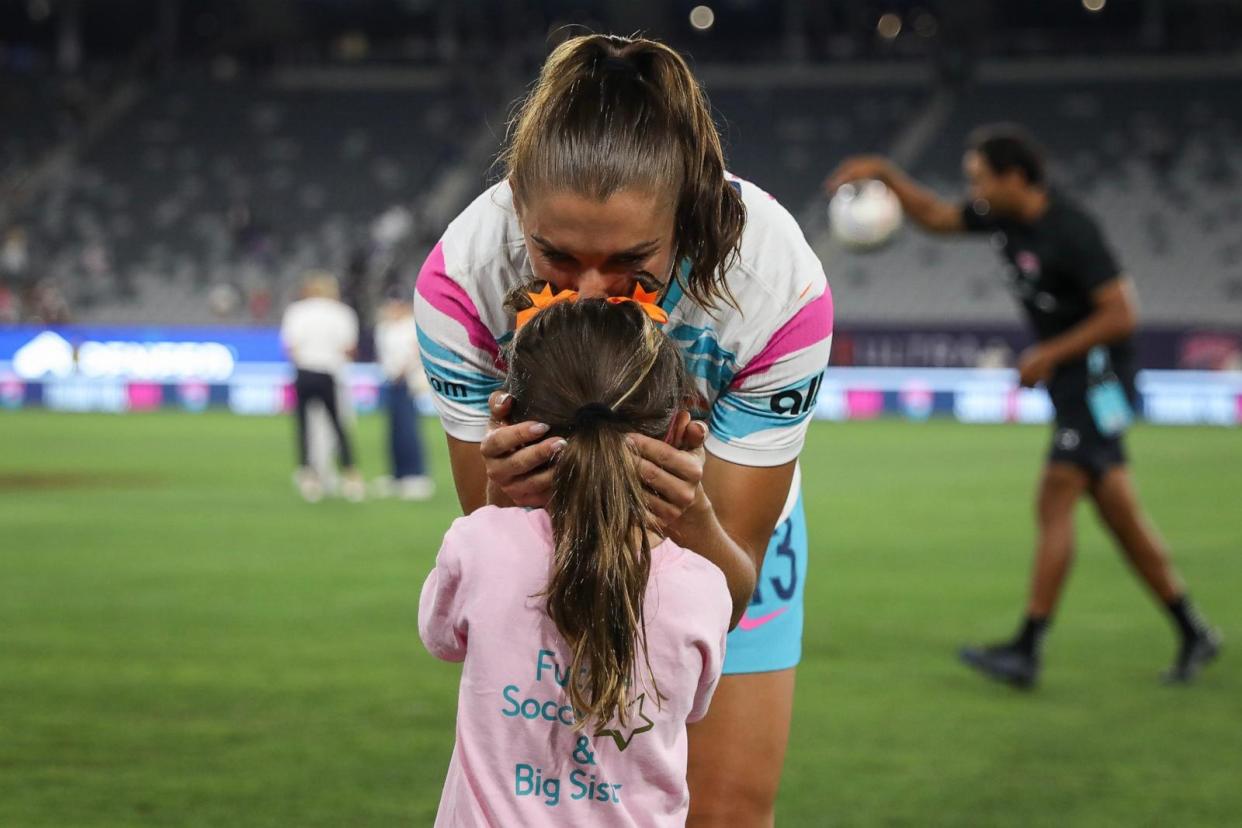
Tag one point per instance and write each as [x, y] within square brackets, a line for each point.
[600, 568]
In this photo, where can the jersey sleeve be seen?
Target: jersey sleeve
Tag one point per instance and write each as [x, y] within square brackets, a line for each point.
[762, 417]
[441, 613]
[460, 356]
[977, 217]
[1093, 261]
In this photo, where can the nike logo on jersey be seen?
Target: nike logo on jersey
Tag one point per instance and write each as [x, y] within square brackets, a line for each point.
[747, 623]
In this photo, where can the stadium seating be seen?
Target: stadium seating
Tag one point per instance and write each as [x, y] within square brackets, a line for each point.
[35, 117]
[784, 138]
[246, 184]
[241, 184]
[1157, 162]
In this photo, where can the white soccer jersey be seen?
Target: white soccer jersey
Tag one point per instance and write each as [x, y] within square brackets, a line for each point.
[757, 371]
[319, 333]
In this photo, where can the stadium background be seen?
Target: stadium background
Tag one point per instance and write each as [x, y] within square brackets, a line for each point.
[182, 641]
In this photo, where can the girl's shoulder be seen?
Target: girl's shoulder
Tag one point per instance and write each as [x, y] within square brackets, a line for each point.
[494, 534]
[492, 520]
[685, 576]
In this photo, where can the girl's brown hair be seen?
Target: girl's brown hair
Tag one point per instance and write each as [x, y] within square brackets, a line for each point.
[594, 371]
[612, 113]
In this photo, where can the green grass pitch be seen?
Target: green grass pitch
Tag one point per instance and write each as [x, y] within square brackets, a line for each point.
[183, 642]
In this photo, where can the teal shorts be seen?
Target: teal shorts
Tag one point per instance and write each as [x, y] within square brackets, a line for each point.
[769, 636]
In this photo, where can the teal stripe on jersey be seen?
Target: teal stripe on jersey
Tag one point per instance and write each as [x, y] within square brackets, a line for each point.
[435, 350]
[738, 415]
[704, 356]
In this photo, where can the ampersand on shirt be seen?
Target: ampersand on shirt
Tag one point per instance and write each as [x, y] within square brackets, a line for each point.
[582, 753]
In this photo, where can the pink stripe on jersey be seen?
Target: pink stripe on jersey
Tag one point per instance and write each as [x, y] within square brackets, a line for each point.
[809, 326]
[451, 299]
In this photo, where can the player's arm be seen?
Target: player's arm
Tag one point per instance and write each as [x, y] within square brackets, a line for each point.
[286, 337]
[459, 358]
[923, 206]
[747, 502]
[1115, 309]
[350, 343]
[757, 429]
[469, 474]
[1115, 316]
[688, 494]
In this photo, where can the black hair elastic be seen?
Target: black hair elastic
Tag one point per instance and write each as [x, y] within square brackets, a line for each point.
[617, 65]
[593, 414]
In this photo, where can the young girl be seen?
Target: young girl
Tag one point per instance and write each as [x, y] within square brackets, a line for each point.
[588, 640]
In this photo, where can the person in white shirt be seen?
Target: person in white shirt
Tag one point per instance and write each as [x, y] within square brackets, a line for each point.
[320, 334]
[396, 347]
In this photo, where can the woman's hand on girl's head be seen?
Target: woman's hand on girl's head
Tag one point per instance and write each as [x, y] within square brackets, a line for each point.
[517, 458]
[673, 473]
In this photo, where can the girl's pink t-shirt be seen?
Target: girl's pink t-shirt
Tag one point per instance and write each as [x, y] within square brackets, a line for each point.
[517, 759]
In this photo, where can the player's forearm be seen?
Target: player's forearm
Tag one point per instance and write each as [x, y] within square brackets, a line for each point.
[1103, 327]
[923, 206]
[469, 474]
[700, 531]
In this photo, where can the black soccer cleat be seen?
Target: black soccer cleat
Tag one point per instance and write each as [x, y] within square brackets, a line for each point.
[1005, 663]
[1193, 656]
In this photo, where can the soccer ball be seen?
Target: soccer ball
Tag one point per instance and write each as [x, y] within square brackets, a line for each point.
[864, 215]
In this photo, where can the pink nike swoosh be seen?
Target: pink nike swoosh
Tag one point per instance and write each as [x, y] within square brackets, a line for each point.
[748, 624]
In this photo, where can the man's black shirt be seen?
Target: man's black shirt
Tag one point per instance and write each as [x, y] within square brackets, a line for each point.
[1054, 264]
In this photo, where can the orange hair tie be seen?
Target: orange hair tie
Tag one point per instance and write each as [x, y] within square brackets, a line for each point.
[546, 298]
[542, 300]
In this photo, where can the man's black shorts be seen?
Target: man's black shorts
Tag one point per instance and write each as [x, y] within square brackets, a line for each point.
[1075, 438]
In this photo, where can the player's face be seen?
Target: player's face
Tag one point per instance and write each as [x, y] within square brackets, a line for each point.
[598, 248]
[1001, 192]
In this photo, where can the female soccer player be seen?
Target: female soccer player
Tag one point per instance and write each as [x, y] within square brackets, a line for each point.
[614, 172]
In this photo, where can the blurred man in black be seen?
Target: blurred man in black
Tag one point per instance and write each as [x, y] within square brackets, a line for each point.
[1082, 309]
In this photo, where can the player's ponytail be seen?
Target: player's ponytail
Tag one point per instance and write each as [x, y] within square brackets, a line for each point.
[612, 113]
[594, 371]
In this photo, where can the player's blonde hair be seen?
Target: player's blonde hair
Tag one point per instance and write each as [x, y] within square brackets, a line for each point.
[320, 284]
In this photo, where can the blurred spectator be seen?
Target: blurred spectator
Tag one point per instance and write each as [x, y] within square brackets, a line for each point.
[47, 304]
[14, 254]
[320, 334]
[260, 304]
[396, 344]
[392, 227]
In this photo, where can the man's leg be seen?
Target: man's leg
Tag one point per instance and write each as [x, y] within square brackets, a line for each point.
[405, 433]
[1119, 508]
[397, 452]
[301, 398]
[1017, 661]
[308, 482]
[1059, 490]
[344, 450]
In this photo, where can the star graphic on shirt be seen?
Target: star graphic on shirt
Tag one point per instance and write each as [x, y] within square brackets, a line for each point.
[622, 741]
